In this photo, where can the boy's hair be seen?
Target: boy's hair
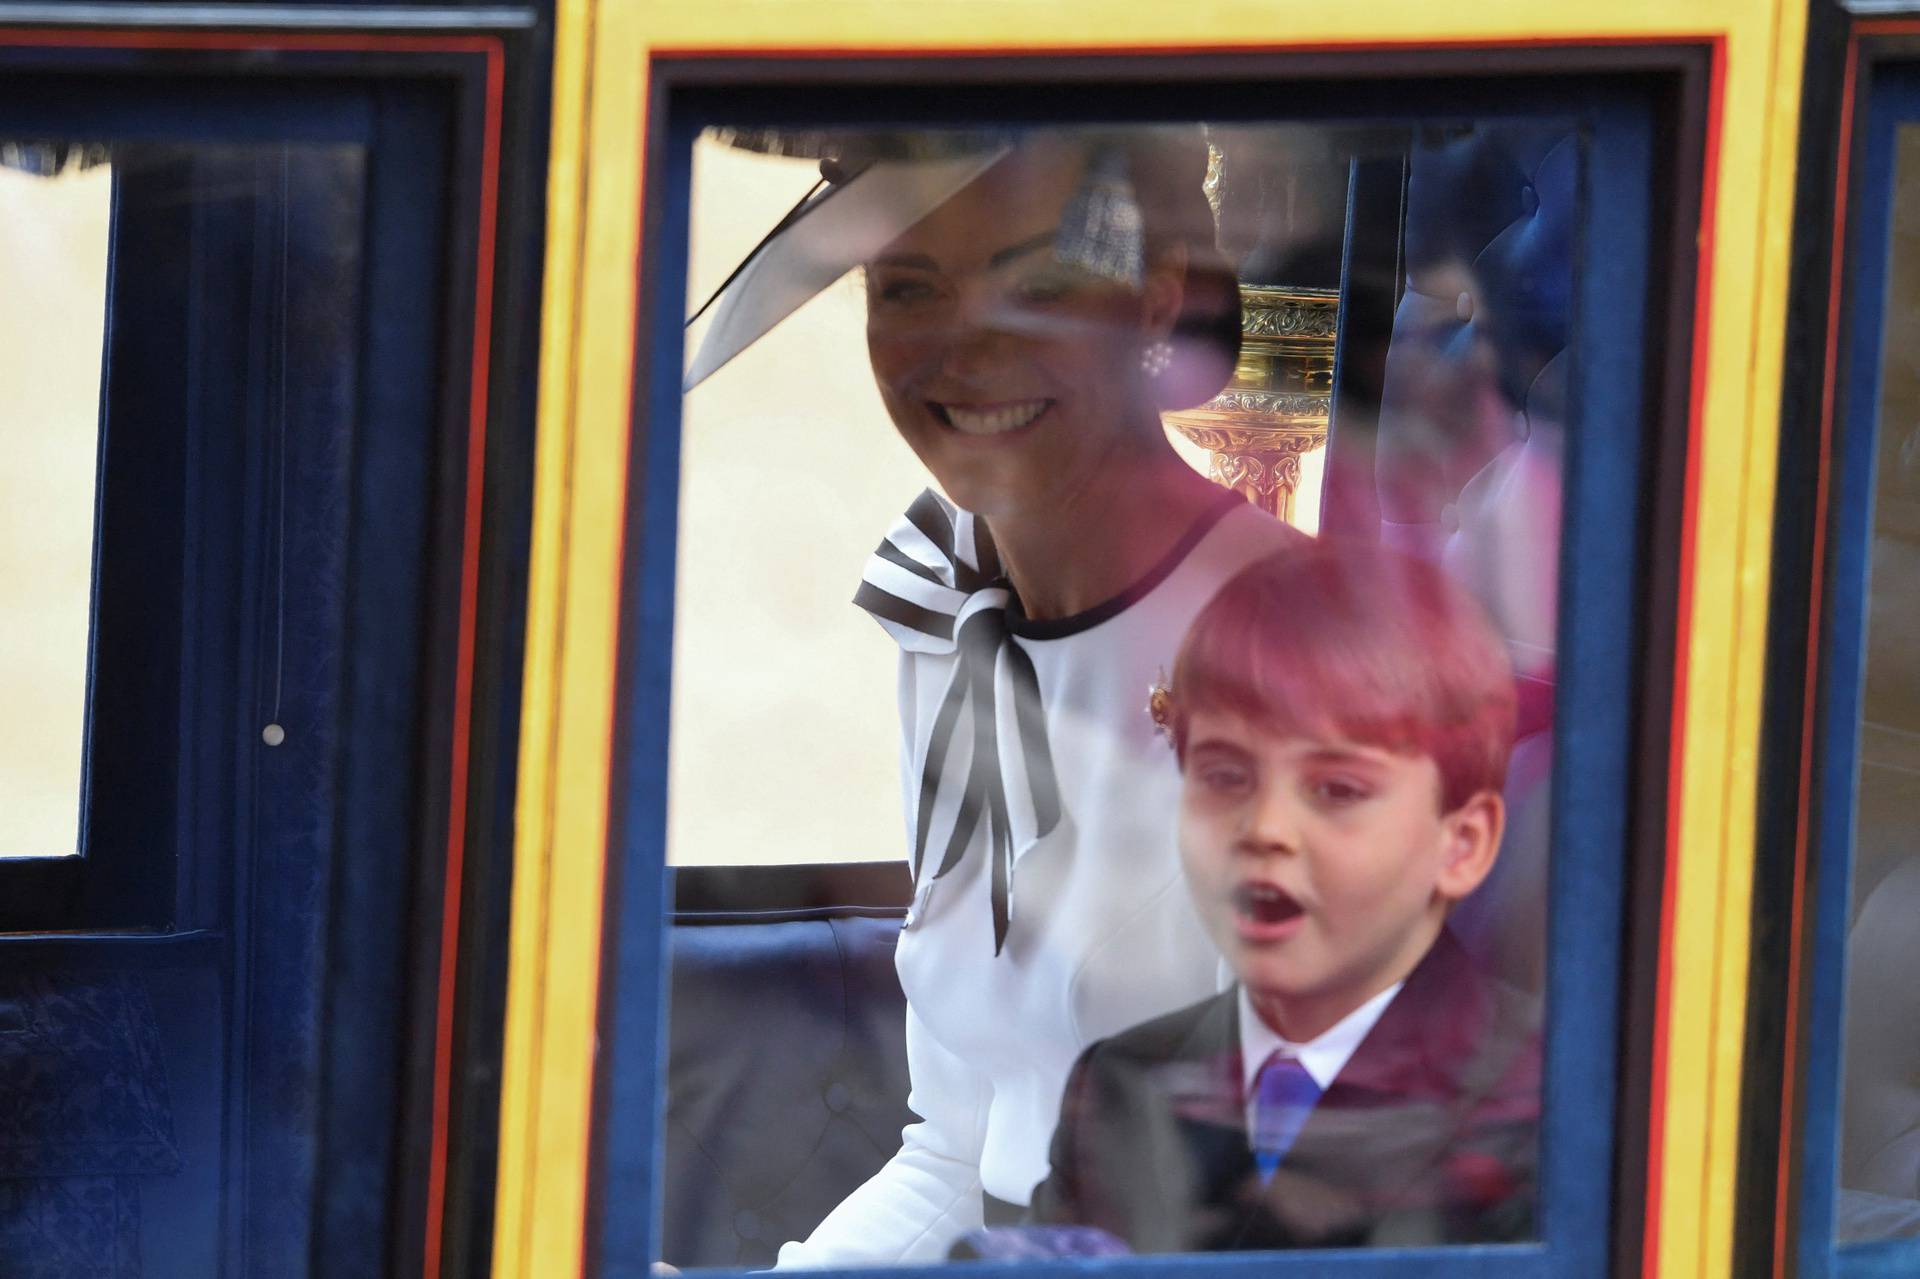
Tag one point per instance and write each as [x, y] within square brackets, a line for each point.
[1361, 642]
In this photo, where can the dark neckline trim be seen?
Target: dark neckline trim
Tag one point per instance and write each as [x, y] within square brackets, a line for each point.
[1024, 627]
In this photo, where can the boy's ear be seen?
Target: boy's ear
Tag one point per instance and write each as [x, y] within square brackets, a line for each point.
[1472, 832]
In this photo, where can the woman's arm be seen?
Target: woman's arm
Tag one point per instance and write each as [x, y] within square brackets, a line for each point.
[928, 1194]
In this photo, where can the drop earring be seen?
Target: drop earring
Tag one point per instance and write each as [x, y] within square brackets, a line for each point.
[1155, 356]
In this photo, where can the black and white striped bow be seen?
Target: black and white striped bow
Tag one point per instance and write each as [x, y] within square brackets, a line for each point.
[936, 585]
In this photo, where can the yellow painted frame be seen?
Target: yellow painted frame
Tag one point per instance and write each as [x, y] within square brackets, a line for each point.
[603, 51]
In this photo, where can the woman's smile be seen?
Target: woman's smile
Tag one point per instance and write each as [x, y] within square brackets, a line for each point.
[980, 418]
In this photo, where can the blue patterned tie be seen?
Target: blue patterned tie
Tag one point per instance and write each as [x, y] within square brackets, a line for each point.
[1284, 1094]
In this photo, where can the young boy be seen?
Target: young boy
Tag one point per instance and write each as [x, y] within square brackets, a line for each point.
[1342, 716]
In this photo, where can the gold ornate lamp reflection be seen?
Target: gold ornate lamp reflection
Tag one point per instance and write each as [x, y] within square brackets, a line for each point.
[1275, 410]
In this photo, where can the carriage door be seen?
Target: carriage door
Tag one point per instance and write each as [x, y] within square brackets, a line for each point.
[247, 338]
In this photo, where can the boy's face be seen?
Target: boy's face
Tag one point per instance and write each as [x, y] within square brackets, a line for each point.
[1322, 868]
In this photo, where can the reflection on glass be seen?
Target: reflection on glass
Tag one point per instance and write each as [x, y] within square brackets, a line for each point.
[1880, 1122]
[1227, 845]
[54, 206]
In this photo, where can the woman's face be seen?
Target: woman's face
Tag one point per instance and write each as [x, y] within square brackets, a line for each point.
[1014, 378]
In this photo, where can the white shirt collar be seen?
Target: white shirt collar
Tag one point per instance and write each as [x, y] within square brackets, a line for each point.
[1324, 1057]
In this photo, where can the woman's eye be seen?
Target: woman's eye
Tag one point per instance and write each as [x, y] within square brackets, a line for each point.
[902, 291]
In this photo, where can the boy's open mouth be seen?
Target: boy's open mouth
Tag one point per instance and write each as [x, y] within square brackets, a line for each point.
[1264, 910]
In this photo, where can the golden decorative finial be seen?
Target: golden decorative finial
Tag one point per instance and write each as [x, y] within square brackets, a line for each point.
[1216, 170]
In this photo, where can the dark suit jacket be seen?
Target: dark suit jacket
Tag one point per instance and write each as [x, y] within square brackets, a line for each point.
[1428, 1135]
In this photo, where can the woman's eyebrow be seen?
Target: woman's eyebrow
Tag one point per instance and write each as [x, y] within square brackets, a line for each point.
[1011, 252]
[925, 262]
[910, 261]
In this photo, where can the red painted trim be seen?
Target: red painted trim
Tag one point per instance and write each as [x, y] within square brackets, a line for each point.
[1789, 1074]
[463, 661]
[1677, 729]
[1886, 27]
[269, 41]
[491, 48]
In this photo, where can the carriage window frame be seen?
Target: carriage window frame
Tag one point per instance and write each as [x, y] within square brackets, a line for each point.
[1644, 108]
[1863, 90]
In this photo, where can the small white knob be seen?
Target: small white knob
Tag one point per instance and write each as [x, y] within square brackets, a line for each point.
[273, 734]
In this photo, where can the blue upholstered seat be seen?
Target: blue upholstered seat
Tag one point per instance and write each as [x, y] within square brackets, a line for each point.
[787, 1079]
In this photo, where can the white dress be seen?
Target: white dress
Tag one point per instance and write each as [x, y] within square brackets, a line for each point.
[1102, 933]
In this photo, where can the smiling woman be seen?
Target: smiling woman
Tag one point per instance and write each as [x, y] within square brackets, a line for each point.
[767, 451]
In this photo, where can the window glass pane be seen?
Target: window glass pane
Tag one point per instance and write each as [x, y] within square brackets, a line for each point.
[1260, 811]
[54, 210]
[1880, 1130]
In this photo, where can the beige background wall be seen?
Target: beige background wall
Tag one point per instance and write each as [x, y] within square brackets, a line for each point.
[53, 256]
[784, 744]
